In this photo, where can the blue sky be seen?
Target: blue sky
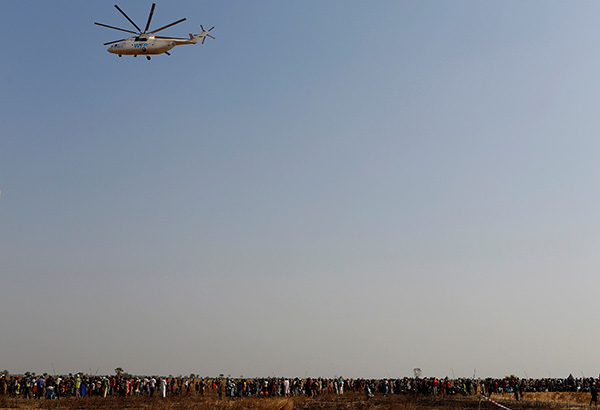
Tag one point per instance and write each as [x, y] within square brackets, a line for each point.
[328, 188]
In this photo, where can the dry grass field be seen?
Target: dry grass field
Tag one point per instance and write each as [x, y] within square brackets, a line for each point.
[532, 401]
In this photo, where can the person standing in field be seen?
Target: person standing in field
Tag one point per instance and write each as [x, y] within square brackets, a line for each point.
[78, 386]
[40, 387]
[516, 388]
[593, 392]
[163, 387]
[152, 386]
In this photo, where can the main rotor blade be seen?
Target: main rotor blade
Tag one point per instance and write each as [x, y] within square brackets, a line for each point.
[116, 41]
[167, 26]
[127, 17]
[116, 28]
[150, 17]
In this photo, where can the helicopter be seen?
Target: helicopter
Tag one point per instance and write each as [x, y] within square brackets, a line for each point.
[146, 43]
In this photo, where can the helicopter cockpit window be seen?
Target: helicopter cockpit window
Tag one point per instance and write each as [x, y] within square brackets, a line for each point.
[141, 39]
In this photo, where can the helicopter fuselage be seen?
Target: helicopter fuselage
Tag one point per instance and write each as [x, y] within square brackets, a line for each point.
[147, 45]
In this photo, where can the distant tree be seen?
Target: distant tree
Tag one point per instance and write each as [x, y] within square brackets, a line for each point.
[119, 371]
[4, 372]
[417, 372]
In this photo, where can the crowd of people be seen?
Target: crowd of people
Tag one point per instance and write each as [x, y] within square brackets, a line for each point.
[79, 386]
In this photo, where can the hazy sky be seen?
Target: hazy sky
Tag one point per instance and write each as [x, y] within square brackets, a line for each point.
[352, 188]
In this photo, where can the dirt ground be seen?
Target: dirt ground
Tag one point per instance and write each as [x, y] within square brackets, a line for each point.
[531, 401]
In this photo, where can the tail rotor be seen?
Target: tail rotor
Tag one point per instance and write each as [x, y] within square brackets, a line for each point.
[205, 32]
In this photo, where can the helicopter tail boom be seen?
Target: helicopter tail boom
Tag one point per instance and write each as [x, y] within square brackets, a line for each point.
[200, 37]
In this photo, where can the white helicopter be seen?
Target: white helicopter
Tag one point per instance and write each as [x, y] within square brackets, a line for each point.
[146, 43]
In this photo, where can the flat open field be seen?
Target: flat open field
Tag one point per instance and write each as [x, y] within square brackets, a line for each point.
[350, 401]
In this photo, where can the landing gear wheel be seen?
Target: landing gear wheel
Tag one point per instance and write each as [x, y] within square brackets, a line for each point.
[149, 58]
[120, 55]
